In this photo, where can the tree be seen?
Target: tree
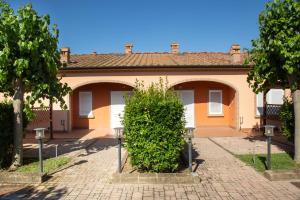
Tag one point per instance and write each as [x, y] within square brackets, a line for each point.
[29, 63]
[275, 55]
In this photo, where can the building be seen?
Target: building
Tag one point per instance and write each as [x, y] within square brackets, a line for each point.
[212, 85]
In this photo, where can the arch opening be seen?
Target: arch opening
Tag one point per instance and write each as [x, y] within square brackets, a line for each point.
[214, 105]
[89, 82]
[97, 105]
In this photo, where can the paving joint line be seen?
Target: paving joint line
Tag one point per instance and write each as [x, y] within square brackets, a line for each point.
[209, 138]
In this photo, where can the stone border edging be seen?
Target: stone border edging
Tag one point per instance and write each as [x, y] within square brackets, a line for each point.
[153, 178]
[282, 175]
[22, 177]
[156, 178]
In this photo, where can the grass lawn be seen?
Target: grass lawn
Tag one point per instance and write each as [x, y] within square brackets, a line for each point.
[32, 164]
[278, 161]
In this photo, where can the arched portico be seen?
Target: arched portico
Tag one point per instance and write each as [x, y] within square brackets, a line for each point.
[244, 99]
[215, 103]
[78, 84]
[200, 85]
[203, 79]
[97, 106]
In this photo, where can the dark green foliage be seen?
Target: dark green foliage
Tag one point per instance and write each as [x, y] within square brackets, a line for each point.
[154, 126]
[287, 118]
[275, 54]
[29, 52]
[29, 63]
[6, 132]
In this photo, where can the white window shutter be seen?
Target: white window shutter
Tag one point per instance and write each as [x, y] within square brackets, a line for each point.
[187, 98]
[215, 102]
[275, 96]
[259, 104]
[117, 106]
[85, 104]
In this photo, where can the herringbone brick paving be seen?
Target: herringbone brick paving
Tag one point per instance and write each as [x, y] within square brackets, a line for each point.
[223, 177]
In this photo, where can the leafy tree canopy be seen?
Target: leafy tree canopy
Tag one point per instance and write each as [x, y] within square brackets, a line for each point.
[29, 52]
[276, 54]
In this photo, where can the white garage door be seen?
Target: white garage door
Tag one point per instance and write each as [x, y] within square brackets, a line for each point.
[187, 97]
[117, 105]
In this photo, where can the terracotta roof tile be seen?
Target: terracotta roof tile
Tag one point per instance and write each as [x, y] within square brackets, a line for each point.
[153, 59]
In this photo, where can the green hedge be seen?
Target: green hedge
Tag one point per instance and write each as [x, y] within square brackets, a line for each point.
[287, 118]
[6, 132]
[154, 125]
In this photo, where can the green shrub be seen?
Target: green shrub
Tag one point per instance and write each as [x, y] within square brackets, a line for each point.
[6, 132]
[287, 118]
[154, 125]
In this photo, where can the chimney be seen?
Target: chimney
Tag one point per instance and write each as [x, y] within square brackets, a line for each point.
[94, 53]
[175, 48]
[65, 55]
[235, 53]
[128, 48]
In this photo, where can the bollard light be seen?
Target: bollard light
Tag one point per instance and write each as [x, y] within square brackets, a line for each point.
[40, 135]
[118, 132]
[269, 132]
[189, 134]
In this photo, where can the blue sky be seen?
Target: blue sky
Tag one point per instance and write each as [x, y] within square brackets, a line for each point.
[106, 25]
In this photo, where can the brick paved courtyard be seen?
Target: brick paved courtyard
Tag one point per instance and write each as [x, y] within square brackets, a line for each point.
[223, 177]
[247, 145]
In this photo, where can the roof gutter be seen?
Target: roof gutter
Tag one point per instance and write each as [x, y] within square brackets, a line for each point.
[166, 67]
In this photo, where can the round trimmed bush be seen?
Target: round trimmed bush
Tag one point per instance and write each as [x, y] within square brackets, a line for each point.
[154, 125]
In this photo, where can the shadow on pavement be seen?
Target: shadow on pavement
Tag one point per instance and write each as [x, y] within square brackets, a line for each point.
[297, 184]
[59, 146]
[30, 192]
[197, 162]
[195, 157]
[66, 167]
[99, 145]
[280, 144]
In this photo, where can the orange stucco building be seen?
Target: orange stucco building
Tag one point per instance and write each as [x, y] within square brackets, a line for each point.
[213, 87]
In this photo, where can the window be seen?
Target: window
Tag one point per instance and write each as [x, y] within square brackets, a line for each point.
[259, 104]
[85, 104]
[274, 96]
[215, 105]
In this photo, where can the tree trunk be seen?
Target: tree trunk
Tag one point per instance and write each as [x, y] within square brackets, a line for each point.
[51, 117]
[18, 125]
[264, 108]
[296, 100]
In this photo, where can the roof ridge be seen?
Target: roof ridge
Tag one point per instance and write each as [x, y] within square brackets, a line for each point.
[168, 53]
[97, 54]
